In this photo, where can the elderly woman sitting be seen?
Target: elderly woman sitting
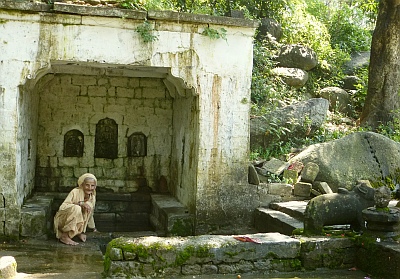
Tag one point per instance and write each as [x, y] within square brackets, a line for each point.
[76, 212]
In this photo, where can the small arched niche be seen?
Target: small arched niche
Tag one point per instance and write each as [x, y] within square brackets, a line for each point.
[73, 143]
[106, 140]
[137, 145]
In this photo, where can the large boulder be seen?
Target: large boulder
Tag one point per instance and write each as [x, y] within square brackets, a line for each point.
[298, 120]
[358, 156]
[269, 26]
[297, 56]
[292, 76]
[339, 99]
[358, 60]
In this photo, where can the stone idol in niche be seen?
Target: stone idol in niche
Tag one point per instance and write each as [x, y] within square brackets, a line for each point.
[106, 140]
[73, 143]
[137, 145]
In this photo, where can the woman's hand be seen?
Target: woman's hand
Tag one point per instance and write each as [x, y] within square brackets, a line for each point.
[85, 207]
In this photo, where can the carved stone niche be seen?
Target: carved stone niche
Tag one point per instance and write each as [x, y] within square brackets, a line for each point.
[106, 139]
[137, 145]
[73, 143]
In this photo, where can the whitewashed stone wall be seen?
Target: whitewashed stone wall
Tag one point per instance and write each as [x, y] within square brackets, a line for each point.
[206, 110]
[78, 102]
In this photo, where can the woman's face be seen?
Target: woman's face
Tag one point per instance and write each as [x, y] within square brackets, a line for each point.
[89, 185]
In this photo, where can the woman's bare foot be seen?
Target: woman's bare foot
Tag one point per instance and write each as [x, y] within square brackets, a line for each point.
[82, 237]
[66, 240]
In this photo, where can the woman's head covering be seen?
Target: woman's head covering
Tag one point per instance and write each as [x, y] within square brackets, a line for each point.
[82, 178]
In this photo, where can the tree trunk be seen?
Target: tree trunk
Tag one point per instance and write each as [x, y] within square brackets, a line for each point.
[383, 97]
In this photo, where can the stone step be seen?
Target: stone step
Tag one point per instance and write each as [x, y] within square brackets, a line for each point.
[269, 220]
[168, 215]
[294, 209]
[35, 216]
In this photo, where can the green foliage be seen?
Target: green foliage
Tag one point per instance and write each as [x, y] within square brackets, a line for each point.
[347, 30]
[361, 89]
[391, 129]
[146, 32]
[214, 33]
[268, 90]
[389, 181]
[369, 9]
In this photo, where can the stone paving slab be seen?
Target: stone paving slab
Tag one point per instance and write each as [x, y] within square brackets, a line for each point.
[293, 208]
[269, 220]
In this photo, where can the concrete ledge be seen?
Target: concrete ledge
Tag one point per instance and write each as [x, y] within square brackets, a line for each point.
[25, 6]
[8, 267]
[206, 19]
[259, 253]
[99, 11]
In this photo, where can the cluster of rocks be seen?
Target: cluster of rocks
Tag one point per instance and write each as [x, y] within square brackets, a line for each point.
[295, 61]
[298, 121]
[301, 177]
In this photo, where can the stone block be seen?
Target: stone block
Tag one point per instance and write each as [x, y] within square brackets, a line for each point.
[309, 172]
[119, 81]
[116, 254]
[172, 216]
[8, 267]
[327, 253]
[125, 92]
[253, 176]
[302, 189]
[322, 187]
[274, 166]
[179, 225]
[265, 198]
[315, 192]
[33, 222]
[191, 269]
[290, 176]
[209, 269]
[13, 217]
[281, 189]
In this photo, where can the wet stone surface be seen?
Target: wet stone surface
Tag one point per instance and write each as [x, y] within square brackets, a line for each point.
[52, 259]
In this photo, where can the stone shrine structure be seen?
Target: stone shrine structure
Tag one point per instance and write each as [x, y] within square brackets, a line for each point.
[82, 91]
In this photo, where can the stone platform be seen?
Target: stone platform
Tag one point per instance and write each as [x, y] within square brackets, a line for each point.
[259, 253]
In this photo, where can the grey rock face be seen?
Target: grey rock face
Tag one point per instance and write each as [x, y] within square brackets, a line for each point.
[297, 56]
[358, 60]
[292, 76]
[292, 117]
[270, 26]
[339, 99]
[361, 155]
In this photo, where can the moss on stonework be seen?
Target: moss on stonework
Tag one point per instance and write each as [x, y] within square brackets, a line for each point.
[383, 209]
[143, 252]
[192, 251]
[182, 228]
[288, 264]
